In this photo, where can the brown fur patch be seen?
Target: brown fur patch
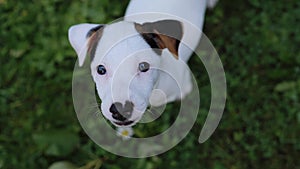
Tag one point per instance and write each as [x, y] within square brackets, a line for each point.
[162, 34]
[93, 42]
[168, 42]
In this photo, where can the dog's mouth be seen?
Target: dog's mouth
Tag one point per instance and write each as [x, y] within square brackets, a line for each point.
[123, 123]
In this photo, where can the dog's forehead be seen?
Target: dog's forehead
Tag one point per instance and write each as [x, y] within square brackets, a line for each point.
[118, 40]
[113, 33]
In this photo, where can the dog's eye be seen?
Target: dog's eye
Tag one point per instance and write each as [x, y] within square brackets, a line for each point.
[144, 66]
[101, 70]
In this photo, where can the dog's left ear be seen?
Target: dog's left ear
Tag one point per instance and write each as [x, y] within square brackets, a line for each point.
[83, 38]
[162, 34]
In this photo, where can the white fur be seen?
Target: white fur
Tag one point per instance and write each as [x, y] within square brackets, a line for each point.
[121, 49]
[77, 38]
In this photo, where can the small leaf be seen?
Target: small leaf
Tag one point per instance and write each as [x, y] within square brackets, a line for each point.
[62, 165]
[285, 86]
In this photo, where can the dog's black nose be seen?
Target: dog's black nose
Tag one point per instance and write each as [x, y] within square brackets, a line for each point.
[120, 112]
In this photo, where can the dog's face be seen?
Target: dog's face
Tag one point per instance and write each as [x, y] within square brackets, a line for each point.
[125, 63]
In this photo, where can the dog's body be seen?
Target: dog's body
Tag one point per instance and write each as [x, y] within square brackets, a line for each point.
[124, 66]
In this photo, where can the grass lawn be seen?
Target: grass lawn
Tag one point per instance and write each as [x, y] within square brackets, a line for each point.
[258, 42]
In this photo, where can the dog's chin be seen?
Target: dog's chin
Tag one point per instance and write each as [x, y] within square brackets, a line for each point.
[126, 123]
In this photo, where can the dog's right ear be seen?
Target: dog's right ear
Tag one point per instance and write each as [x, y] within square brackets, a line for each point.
[83, 38]
[162, 34]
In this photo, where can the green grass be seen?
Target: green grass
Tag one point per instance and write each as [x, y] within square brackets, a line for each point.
[258, 42]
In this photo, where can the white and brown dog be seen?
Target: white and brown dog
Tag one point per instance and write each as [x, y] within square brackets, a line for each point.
[142, 58]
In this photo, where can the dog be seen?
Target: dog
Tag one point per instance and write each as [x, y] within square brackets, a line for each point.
[141, 59]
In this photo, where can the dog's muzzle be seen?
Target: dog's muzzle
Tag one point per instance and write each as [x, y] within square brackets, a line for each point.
[122, 113]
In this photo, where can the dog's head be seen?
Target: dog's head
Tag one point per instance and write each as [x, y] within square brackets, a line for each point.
[125, 61]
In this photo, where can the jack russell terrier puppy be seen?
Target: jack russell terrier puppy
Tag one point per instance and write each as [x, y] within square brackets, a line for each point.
[141, 59]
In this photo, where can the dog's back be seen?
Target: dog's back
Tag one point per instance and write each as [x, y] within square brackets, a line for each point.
[190, 12]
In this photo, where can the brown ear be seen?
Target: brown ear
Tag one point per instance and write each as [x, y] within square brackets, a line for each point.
[94, 36]
[162, 34]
